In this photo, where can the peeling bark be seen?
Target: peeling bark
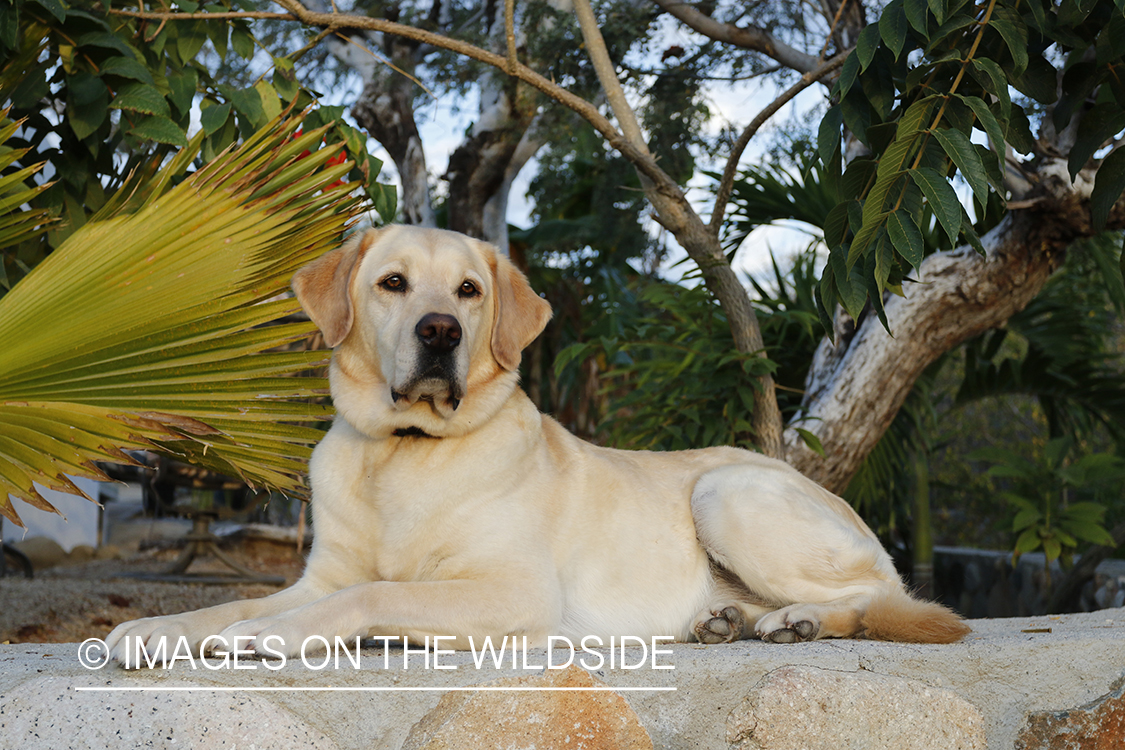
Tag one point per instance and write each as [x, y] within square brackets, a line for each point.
[856, 386]
[482, 169]
[495, 219]
[479, 168]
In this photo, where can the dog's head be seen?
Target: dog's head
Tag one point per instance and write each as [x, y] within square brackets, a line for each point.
[428, 327]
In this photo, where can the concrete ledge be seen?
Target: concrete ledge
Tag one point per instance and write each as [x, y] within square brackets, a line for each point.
[1007, 669]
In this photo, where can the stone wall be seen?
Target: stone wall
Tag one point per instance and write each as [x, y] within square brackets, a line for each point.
[1031, 683]
[984, 583]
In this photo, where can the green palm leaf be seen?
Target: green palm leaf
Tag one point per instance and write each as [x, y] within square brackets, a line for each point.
[16, 224]
[152, 326]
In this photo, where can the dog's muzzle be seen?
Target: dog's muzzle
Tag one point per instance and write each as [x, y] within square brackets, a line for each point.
[435, 375]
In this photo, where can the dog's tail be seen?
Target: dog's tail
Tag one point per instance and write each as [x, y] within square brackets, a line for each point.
[895, 615]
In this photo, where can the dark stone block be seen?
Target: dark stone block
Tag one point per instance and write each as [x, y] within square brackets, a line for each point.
[1099, 725]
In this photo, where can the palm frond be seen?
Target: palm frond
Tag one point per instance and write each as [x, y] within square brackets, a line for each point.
[17, 224]
[152, 326]
[772, 192]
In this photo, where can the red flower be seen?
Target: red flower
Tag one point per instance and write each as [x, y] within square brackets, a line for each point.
[339, 158]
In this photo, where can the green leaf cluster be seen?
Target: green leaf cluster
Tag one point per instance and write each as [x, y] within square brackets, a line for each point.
[17, 223]
[102, 96]
[1049, 496]
[921, 89]
[672, 377]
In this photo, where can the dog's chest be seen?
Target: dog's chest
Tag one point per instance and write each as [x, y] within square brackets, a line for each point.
[407, 515]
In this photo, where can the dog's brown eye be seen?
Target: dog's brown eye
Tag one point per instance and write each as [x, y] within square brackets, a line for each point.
[468, 289]
[394, 283]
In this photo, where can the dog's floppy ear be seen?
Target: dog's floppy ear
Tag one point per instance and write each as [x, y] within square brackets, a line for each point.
[324, 287]
[520, 314]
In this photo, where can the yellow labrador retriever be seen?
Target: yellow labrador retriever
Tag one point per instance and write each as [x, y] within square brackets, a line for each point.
[445, 504]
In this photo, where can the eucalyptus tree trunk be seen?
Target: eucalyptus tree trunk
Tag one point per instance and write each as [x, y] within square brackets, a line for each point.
[482, 168]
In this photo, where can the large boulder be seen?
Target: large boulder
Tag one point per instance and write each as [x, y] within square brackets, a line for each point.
[803, 708]
[43, 552]
[48, 713]
[547, 719]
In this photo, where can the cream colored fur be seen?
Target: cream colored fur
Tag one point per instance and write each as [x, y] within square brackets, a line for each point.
[486, 518]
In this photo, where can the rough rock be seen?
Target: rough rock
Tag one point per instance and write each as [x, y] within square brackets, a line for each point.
[545, 720]
[108, 552]
[1099, 725]
[804, 708]
[42, 551]
[47, 713]
[81, 553]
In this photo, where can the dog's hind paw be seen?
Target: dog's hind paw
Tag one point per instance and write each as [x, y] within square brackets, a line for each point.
[788, 625]
[719, 626]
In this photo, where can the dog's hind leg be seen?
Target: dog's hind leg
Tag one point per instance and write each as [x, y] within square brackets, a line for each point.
[731, 612]
[807, 554]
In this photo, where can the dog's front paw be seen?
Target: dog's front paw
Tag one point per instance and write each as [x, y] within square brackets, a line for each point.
[298, 632]
[793, 624]
[155, 640]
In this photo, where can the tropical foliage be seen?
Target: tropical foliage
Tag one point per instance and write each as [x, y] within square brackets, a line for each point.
[148, 327]
[672, 376]
[99, 96]
[918, 86]
[1055, 499]
[17, 226]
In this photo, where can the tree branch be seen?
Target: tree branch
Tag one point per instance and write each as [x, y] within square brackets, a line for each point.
[510, 30]
[343, 21]
[961, 295]
[676, 214]
[607, 75]
[726, 184]
[746, 37]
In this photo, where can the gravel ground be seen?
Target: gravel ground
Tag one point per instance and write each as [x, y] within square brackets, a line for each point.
[73, 603]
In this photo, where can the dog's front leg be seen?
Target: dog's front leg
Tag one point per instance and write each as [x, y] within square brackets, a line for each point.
[459, 608]
[202, 624]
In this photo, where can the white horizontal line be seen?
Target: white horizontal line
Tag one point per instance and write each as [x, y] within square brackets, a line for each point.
[182, 689]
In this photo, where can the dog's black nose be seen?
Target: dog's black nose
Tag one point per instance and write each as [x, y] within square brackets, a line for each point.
[438, 332]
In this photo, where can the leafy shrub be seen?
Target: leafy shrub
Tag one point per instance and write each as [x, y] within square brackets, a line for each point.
[1055, 497]
[674, 379]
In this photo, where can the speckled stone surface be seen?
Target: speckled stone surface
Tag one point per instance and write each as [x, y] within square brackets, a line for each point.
[47, 712]
[802, 708]
[1008, 669]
